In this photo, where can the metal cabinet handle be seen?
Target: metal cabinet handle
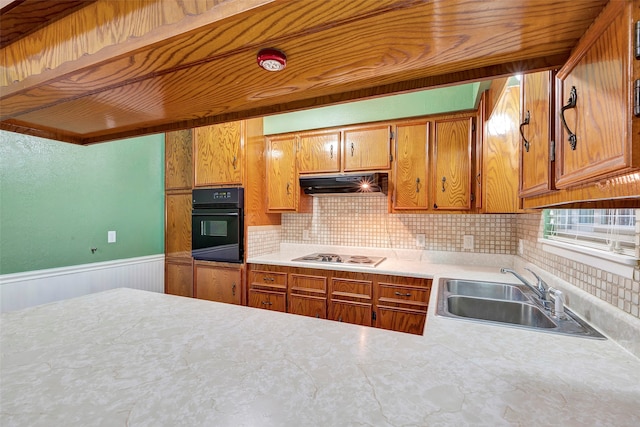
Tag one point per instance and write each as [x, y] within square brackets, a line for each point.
[571, 103]
[235, 161]
[331, 151]
[288, 188]
[268, 279]
[444, 179]
[402, 294]
[340, 319]
[233, 289]
[417, 185]
[267, 303]
[525, 123]
[352, 149]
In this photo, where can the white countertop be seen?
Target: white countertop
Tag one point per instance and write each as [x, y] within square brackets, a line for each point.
[136, 358]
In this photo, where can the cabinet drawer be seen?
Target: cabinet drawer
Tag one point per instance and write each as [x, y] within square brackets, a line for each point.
[268, 280]
[347, 289]
[308, 306]
[390, 293]
[401, 319]
[302, 283]
[268, 300]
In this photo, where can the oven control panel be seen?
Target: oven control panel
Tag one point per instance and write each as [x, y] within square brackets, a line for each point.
[218, 196]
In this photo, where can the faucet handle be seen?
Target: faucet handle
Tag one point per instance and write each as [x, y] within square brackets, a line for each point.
[542, 286]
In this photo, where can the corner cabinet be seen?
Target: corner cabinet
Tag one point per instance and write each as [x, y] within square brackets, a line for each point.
[595, 93]
[452, 153]
[218, 154]
[536, 133]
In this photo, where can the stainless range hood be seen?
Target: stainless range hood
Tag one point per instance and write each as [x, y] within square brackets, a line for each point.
[359, 184]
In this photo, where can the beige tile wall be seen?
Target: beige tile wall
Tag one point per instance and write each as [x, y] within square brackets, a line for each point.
[616, 290]
[364, 221]
[262, 240]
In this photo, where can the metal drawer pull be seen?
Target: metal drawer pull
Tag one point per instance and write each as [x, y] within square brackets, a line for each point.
[525, 123]
[268, 279]
[417, 185]
[331, 151]
[571, 103]
[267, 303]
[233, 290]
[401, 294]
[352, 149]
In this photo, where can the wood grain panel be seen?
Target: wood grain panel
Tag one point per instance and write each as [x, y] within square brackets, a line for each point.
[411, 171]
[601, 118]
[319, 152]
[178, 150]
[219, 284]
[350, 312]
[282, 179]
[536, 168]
[401, 319]
[305, 284]
[198, 67]
[308, 306]
[218, 154]
[451, 179]
[178, 224]
[267, 300]
[367, 148]
[501, 153]
[178, 277]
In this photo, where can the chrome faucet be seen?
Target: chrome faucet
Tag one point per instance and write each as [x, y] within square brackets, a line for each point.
[541, 287]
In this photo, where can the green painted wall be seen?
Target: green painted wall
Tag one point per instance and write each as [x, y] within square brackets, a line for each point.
[432, 101]
[58, 200]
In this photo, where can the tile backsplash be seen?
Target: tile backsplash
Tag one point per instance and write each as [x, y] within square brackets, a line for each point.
[364, 221]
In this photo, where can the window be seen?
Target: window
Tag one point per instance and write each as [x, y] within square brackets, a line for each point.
[612, 230]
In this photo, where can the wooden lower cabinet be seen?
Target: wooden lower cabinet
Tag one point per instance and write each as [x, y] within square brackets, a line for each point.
[178, 277]
[389, 302]
[217, 283]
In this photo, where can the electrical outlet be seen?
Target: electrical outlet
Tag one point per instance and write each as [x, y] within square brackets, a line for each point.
[305, 235]
[111, 236]
[520, 246]
[421, 240]
[467, 243]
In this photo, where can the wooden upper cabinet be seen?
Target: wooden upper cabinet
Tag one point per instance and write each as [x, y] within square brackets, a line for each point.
[218, 154]
[536, 165]
[500, 155]
[452, 149]
[178, 160]
[282, 177]
[319, 151]
[411, 166]
[367, 148]
[597, 76]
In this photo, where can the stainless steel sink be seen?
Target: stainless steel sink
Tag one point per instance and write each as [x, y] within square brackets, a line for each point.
[499, 311]
[493, 290]
[505, 304]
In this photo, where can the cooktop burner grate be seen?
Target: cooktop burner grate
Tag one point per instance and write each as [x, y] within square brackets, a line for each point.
[330, 258]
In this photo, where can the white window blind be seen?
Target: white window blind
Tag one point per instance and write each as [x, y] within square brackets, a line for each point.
[613, 230]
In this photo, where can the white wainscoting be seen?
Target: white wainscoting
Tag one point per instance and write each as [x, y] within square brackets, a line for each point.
[21, 290]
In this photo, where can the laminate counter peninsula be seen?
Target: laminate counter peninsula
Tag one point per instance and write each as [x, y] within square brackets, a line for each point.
[137, 358]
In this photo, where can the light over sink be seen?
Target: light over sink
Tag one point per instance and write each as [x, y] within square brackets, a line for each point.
[505, 304]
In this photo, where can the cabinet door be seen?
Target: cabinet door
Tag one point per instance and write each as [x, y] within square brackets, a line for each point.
[401, 319]
[350, 312]
[275, 301]
[367, 148]
[451, 179]
[178, 153]
[305, 305]
[218, 283]
[500, 155]
[178, 277]
[178, 224]
[602, 118]
[536, 167]
[282, 180]
[411, 171]
[217, 152]
[319, 152]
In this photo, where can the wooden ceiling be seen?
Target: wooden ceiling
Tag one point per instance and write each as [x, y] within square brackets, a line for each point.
[115, 69]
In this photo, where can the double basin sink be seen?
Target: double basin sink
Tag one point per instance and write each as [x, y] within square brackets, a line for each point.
[507, 304]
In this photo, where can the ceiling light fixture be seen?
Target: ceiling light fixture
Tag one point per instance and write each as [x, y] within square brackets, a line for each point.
[272, 59]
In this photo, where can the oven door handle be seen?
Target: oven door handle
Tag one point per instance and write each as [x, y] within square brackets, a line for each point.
[215, 214]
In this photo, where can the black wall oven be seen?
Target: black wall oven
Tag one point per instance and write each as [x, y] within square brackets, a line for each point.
[218, 224]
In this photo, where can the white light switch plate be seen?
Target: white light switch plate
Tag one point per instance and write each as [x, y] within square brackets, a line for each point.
[305, 235]
[421, 240]
[111, 236]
